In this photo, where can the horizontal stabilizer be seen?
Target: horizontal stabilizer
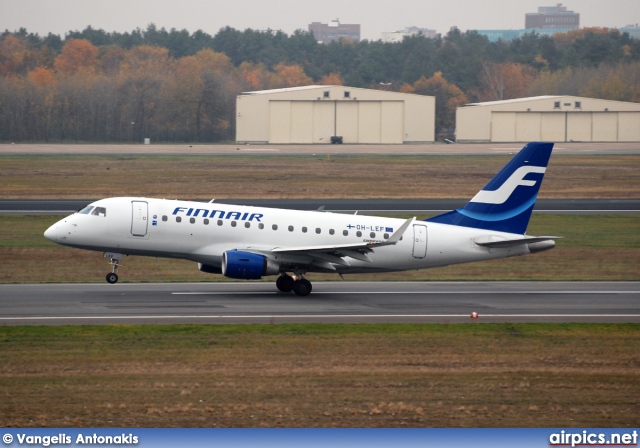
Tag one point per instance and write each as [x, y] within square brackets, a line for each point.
[501, 244]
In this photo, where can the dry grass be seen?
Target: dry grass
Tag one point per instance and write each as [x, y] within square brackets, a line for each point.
[263, 176]
[321, 376]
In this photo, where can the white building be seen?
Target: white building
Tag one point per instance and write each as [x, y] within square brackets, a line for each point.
[549, 118]
[315, 114]
[397, 36]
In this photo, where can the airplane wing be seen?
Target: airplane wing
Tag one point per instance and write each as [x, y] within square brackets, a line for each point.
[323, 256]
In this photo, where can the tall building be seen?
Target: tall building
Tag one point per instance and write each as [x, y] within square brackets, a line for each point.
[556, 17]
[334, 31]
[397, 36]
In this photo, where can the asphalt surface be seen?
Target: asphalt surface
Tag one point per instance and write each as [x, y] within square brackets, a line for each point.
[330, 302]
[367, 206]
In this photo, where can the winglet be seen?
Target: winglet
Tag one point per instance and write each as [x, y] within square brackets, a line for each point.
[398, 233]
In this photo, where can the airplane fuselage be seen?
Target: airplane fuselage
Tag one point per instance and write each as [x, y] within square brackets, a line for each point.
[202, 232]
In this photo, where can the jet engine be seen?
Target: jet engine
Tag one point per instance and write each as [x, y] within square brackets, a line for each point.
[247, 266]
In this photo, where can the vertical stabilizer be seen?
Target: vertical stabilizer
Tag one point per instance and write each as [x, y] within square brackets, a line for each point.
[506, 202]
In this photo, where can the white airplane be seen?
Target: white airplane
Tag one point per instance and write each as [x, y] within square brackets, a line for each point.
[243, 242]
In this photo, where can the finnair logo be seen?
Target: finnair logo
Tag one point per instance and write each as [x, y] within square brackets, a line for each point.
[516, 179]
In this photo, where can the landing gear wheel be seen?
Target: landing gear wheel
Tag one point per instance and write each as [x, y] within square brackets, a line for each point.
[285, 283]
[302, 287]
[112, 278]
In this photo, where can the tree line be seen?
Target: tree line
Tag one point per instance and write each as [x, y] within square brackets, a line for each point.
[176, 86]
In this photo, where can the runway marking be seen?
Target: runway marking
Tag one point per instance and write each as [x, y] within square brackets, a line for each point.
[195, 293]
[317, 316]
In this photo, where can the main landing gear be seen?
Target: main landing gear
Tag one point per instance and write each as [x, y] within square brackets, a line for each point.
[300, 286]
[114, 261]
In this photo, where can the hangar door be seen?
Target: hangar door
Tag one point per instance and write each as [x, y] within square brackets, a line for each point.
[629, 126]
[527, 127]
[565, 126]
[306, 122]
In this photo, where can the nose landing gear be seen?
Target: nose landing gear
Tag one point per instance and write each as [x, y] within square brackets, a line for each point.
[114, 261]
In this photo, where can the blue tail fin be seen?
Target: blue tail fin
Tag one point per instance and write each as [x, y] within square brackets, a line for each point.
[505, 204]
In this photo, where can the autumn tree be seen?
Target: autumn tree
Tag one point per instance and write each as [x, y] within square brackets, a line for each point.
[203, 96]
[448, 98]
[142, 72]
[13, 52]
[332, 79]
[77, 55]
[290, 76]
[504, 81]
[256, 76]
[43, 86]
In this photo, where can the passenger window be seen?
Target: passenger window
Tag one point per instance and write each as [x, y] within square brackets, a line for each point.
[206, 222]
[247, 224]
[345, 232]
[274, 227]
[178, 219]
[219, 222]
[304, 230]
[372, 235]
[192, 220]
[233, 223]
[358, 234]
[86, 210]
[386, 236]
[290, 228]
[318, 231]
[99, 211]
[260, 226]
[332, 232]
[164, 218]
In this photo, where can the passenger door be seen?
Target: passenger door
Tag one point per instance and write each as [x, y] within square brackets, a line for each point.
[139, 218]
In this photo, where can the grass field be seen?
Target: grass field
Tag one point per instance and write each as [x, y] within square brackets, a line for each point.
[399, 375]
[308, 176]
[595, 247]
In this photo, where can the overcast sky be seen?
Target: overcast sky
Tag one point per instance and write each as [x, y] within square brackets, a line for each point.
[374, 16]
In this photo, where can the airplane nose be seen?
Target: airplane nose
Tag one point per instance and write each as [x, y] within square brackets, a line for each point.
[54, 233]
[50, 233]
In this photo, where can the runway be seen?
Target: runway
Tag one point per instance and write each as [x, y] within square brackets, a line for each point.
[330, 302]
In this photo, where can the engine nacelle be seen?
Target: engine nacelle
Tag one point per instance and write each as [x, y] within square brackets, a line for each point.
[247, 266]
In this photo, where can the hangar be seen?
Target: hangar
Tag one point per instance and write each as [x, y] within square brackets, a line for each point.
[549, 118]
[334, 114]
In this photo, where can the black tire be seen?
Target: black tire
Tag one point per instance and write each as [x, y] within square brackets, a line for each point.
[112, 278]
[302, 287]
[285, 283]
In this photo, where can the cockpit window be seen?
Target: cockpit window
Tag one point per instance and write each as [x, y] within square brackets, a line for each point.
[86, 210]
[99, 211]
